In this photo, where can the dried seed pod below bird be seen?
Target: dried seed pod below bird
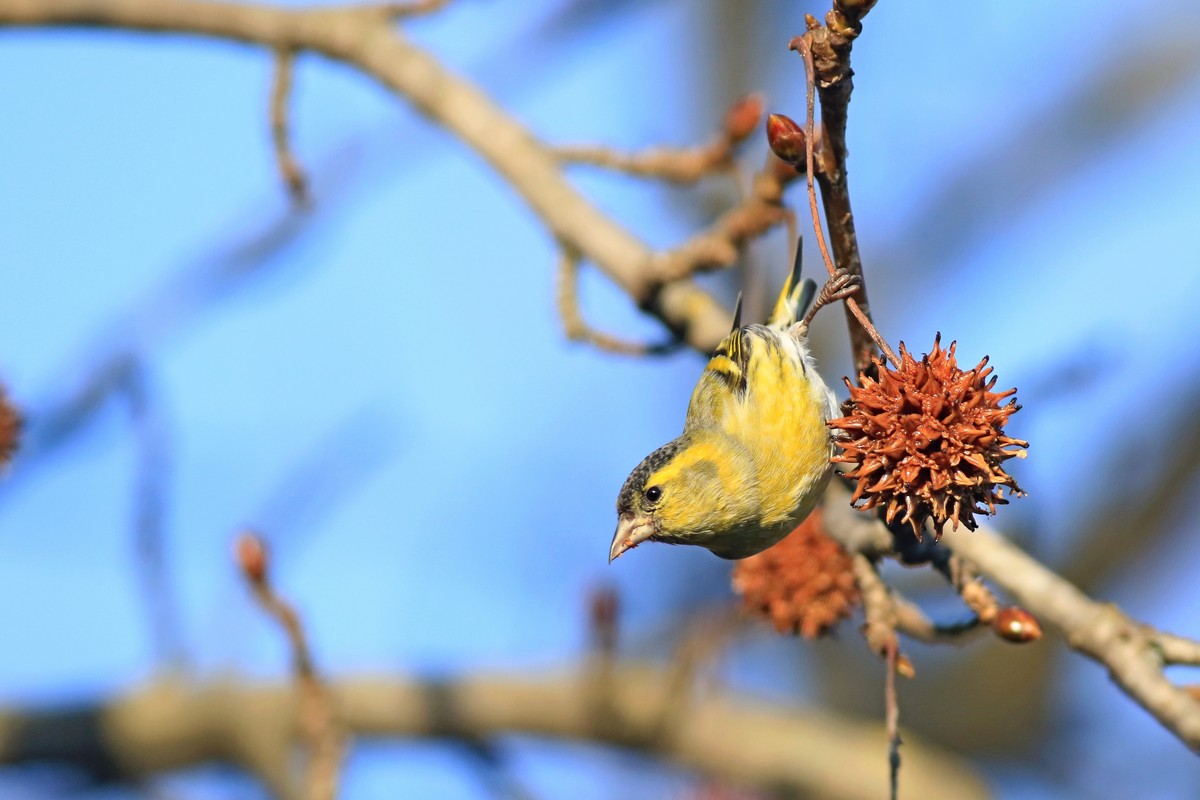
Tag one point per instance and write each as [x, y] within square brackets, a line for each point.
[804, 584]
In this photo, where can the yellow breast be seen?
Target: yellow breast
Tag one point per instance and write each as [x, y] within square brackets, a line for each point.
[763, 390]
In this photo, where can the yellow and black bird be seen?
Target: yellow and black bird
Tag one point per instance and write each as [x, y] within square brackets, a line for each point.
[753, 458]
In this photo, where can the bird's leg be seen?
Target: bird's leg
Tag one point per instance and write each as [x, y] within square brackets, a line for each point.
[841, 284]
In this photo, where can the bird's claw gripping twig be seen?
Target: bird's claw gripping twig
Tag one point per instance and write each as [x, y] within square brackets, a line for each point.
[841, 284]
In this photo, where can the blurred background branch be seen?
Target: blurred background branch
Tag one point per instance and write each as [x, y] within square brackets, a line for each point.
[170, 725]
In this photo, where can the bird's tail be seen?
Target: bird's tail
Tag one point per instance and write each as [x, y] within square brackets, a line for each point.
[796, 296]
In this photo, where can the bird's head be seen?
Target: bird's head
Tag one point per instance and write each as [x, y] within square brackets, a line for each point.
[689, 491]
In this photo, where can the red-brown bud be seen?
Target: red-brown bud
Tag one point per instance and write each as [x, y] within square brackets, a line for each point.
[743, 116]
[1016, 625]
[786, 138]
[251, 552]
[10, 428]
[604, 609]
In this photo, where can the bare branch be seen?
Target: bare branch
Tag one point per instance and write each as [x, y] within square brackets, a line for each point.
[1133, 654]
[319, 730]
[678, 164]
[882, 615]
[289, 168]
[912, 621]
[574, 324]
[369, 44]
[173, 725]
[718, 246]
[1174, 649]
[413, 8]
[1098, 630]
[150, 483]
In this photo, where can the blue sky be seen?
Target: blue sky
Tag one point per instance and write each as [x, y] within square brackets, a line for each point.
[403, 351]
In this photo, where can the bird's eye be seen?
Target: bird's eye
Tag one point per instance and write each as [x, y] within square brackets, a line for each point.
[654, 494]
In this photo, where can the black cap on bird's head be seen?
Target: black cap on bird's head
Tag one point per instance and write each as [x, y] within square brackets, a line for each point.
[637, 500]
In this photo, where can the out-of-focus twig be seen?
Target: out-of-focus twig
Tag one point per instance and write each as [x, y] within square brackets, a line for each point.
[718, 246]
[913, 622]
[892, 704]
[319, 729]
[87, 385]
[677, 164]
[412, 8]
[1134, 654]
[370, 44]
[1140, 78]
[289, 168]
[701, 642]
[577, 328]
[882, 616]
[735, 737]
[151, 479]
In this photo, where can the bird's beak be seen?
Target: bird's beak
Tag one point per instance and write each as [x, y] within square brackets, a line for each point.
[631, 531]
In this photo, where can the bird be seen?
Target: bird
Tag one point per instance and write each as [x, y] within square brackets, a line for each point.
[754, 456]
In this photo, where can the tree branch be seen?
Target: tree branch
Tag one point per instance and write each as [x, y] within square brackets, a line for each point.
[1131, 652]
[173, 725]
[1134, 654]
[369, 43]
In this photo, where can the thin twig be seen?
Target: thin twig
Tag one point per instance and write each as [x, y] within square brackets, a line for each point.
[1174, 649]
[603, 625]
[804, 45]
[371, 45]
[893, 719]
[832, 78]
[703, 638]
[413, 8]
[880, 609]
[289, 168]
[319, 729]
[577, 328]
[912, 621]
[719, 245]
[1133, 654]
[677, 165]
[150, 490]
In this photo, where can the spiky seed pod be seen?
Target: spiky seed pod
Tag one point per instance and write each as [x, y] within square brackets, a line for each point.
[927, 438]
[804, 584]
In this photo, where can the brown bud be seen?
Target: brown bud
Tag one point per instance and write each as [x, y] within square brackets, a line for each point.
[743, 116]
[251, 554]
[10, 428]
[604, 609]
[1016, 625]
[786, 138]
